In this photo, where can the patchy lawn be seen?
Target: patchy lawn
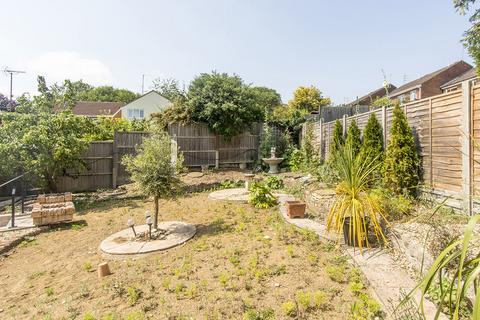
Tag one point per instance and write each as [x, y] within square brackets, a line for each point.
[243, 263]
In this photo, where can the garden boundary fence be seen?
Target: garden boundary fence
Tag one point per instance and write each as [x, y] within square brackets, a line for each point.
[446, 129]
[199, 147]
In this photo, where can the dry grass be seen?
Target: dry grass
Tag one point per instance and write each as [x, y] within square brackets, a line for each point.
[243, 263]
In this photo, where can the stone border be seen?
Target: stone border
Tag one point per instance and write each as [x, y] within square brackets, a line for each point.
[120, 243]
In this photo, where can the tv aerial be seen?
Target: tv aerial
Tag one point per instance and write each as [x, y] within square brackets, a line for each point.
[11, 72]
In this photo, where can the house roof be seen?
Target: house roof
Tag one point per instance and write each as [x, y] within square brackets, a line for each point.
[96, 108]
[418, 82]
[376, 93]
[143, 95]
[470, 74]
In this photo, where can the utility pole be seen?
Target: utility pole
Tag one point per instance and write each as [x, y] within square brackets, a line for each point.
[11, 73]
[143, 82]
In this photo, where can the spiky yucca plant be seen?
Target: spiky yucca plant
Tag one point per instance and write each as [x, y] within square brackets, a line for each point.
[353, 198]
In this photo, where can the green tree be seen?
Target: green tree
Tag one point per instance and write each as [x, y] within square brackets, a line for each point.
[170, 89]
[46, 145]
[471, 38]
[153, 170]
[223, 102]
[337, 141]
[354, 138]
[309, 99]
[401, 166]
[107, 94]
[373, 140]
[266, 98]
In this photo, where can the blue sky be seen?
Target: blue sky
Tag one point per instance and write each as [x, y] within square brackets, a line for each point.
[339, 46]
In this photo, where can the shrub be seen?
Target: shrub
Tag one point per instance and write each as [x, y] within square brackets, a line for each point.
[289, 308]
[260, 196]
[401, 166]
[372, 148]
[354, 138]
[337, 141]
[295, 160]
[274, 182]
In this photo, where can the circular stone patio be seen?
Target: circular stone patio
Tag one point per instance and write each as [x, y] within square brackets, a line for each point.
[121, 242]
[234, 194]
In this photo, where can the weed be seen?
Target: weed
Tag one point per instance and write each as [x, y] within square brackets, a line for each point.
[84, 292]
[166, 283]
[223, 278]
[312, 258]
[87, 266]
[191, 291]
[365, 308]
[88, 316]
[356, 287]
[133, 295]
[109, 316]
[77, 226]
[49, 292]
[36, 275]
[252, 314]
[28, 242]
[180, 287]
[290, 251]
[289, 308]
[311, 300]
[135, 315]
[276, 270]
[336, 273]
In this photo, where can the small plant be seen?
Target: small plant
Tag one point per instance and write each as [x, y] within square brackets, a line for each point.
[49, 292]
[336, 273]
[312, 258]
[191, 291]
[77, 226]
[252, 314]
[260, 196]
[223, 278]
[87, 266]
[229, 184]
[290, 251]
[274, 182]
[356, 287]
[133, 295]
[135, 315]
[365, 308]
[289, 308]
[88, 316]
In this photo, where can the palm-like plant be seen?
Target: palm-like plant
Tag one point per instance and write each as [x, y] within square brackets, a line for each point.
[354, 202]
[456, 273]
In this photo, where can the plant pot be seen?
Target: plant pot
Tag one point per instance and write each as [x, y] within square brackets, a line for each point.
[351, 239]
[295, 209]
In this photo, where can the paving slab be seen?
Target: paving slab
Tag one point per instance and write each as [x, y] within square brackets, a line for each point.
[123, 243]
[233, 194]
[388, 281]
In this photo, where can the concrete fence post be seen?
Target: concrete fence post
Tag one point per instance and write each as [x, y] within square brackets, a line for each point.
[115, 160]
[466, 146]
[384, 126]
[320, 138]
[217, 160]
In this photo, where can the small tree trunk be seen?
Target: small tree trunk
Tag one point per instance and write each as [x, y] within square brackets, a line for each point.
[155, 211]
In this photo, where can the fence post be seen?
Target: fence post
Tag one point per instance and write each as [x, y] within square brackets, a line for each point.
[466, 144]
[384, 126]
[12, 225]
[174, 149]
[431, 142]
[344, 125]
[114, 160]
[217, 160]
[320, 138]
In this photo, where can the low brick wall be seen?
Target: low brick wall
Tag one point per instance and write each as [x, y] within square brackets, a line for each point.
[53, 209]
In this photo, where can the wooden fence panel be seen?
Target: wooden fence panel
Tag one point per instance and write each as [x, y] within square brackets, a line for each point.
[476, 139]
[125, 144]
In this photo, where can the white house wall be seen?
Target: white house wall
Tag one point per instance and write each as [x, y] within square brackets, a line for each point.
[150, 103]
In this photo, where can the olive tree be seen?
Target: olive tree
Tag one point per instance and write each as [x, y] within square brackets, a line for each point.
[154, 171]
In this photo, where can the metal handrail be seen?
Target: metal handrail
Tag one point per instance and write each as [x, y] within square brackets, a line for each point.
[12, 180]
[14, 191]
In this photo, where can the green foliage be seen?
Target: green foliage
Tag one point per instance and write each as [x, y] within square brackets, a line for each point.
[228, 184]
[455, 274]
[106, 126]
[252, 314]
[373, 140]
[308, 99]
[309, 154]
[153, 171]
[177, 112]
[401, 165]
[269, 139]
[45, 145]
[354, 200]
[170, 89]
[381, 102]
[274, 182]
[337, 141]
[266, 98]
[295, 160]
[471, 39]
[133, 295]
[327, 174]
[260, 196]
[289, 308]
[289, 118]
[365, 308]
[354, 138]
[107, 94]
[224, 103]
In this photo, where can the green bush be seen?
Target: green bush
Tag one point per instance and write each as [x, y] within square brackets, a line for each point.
[327, 174]
[274, 183]
[372, 148]
[354, 138]
[337, 141]
[295, 160]
[401, 165]
[260, 196]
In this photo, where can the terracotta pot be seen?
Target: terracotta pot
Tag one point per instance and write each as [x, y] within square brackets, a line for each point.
[295, 209]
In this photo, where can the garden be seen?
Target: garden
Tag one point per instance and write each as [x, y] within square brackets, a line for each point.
[299, 244]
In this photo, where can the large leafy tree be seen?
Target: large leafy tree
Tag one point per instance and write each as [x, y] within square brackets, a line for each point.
[223, 102]
[45, 145]
[107, 94]
[267, 98]
[308, 99]
[401, 166]
[471, 38]
[153, 170]
[170, 89]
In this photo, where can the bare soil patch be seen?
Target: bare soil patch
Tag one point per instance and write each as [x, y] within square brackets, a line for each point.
[242, 262]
